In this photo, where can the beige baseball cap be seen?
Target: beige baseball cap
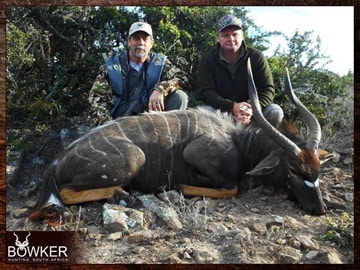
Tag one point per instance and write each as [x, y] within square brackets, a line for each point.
[140, 26]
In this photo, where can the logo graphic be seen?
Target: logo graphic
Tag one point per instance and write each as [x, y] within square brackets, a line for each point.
[21, 245]
[41, 249]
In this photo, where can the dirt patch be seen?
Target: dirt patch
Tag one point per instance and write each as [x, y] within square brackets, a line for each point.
[261, 226]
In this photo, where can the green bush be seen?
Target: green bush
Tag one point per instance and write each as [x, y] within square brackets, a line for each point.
[340, 231]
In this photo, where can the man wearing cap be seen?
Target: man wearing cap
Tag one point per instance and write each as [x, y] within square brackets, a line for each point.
[222, 75]
[140, 80]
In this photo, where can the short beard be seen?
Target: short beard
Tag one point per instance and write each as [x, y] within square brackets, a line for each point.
[140, 54]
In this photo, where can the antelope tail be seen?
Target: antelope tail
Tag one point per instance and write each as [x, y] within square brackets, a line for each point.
[49, 203]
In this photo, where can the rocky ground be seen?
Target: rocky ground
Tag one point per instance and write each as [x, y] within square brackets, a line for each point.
[261, 226]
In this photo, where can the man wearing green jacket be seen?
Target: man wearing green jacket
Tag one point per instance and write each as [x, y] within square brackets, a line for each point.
[222, 75]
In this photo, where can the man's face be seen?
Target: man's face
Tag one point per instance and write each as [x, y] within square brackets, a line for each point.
[230, 39]
[140, 44]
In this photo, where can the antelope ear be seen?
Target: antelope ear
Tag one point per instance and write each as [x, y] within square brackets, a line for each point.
[324, 155]
[266, 166]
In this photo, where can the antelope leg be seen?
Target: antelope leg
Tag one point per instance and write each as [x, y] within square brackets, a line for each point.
[208, 192]
[70, 196]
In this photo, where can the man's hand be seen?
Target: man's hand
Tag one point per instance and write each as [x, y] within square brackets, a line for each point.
[242, 112]
[156, 102]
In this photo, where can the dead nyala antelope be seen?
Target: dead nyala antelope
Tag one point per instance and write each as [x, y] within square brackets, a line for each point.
[196, 150]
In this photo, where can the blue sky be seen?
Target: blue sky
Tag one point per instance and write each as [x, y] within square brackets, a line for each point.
[334, 25]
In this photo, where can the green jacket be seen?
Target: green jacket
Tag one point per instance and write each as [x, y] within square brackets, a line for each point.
[219, 86]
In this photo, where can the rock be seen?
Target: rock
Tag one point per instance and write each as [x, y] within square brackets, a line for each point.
[348, 161]
[13, 162]
[333, 257]
[15, 225]
[348, 196]
[171, 196]
[294, 224]
[11, 173]
[140, 236]
[31, 203]
[38, 161]
[65, 137]
[201, 206]
[282, 242]
[175, 259]
[243, 234]
[18, 213]
[123, 203]
[118, 218]
[274, 220]
[82, 129]
[186, 240]
[195, 220]
[83, 231]
[294, 243]
[115, 236]
[93, 229]
[97, 238]
[76, 209]
[217, 228]
[186, 256]
[289, 255]
[274, 229]
[136, 261]
[312, 255]
[307, 242]
[161, 210]
[138, 250]
[336, 157]
[68, 216]
[204, 253]
[259, 227]
[334, 202]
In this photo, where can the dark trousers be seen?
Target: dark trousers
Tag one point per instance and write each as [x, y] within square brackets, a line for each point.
[177, 100]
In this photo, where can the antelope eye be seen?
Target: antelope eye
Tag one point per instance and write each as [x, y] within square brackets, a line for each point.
[311, 184]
